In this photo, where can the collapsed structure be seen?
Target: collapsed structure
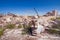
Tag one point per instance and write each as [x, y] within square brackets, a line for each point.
[40, 21]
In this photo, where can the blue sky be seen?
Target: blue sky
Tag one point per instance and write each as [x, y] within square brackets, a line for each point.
[25, 7]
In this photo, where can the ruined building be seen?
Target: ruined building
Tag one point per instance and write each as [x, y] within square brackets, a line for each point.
[53, 13]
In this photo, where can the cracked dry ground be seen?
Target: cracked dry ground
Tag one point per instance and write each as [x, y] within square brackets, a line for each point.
[15, 34]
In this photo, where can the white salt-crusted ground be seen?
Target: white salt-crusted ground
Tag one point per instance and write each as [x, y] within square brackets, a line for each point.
[15, 34]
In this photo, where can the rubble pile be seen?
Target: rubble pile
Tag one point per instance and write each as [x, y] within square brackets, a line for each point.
[38, 25]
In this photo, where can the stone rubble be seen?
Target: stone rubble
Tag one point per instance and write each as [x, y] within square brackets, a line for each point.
[15, 34]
